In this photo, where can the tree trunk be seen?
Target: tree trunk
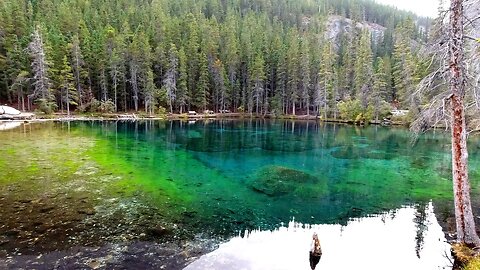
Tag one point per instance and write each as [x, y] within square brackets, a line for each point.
[61, 100]
[103, 84]
[9, 94]
[23, 102]
[256, 99]
[124, 93]
[77, 79]
[134, 82]
[115, 88]
[463, 210]
[68, 101]
[325, 97]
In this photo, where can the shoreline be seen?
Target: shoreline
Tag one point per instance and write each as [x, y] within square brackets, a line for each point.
[198, 117]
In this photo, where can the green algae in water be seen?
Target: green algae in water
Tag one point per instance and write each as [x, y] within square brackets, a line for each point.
[201, 174]
[41, 159]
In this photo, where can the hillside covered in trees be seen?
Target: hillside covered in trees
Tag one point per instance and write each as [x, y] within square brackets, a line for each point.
[328, 57]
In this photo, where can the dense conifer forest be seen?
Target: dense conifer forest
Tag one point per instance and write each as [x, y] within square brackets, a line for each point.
[334, 58]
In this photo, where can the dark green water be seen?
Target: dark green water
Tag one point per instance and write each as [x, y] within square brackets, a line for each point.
[223, 177]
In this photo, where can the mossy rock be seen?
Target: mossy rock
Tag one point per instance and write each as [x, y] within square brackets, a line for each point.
[278, 181]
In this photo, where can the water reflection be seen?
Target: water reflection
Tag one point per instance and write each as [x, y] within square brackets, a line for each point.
[406, 238]
[9, 125]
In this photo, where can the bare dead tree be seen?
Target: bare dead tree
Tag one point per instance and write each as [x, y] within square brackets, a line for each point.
[41, 81]
[77, 64]
[451, 104]
[463, 209]
[134, 67]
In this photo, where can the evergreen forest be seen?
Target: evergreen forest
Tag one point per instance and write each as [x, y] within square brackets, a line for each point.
[333, 58]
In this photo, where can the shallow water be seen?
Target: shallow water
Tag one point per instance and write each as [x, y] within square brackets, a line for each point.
[117, 181]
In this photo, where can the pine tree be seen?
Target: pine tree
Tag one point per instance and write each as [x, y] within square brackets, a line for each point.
[281, 81]
[304, 73]
[69, 95]
[117, 66]
[149, 92]
[379, 87]
[78, 68]
[326, 77]
[16, 61]
[140, 59]
[192, 50]
[293, 71]
[404, 68]
[99, 50]
[201, 94]
[257, 77]
[231, 56]
[349, 57]
[218, 75]
[19, 85]
[182, 89]
[170, 80]
[364, 69]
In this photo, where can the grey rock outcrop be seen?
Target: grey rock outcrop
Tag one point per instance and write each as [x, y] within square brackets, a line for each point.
[336, 25]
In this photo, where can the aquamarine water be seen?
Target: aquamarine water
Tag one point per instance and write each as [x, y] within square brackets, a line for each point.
[222, 178]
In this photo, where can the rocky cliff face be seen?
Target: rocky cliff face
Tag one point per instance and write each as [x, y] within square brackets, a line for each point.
[337, 24]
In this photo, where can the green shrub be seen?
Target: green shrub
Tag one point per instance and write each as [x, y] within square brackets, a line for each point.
[106, 106]
[46, 106]
[162, 111]
[349, 109]
[385, 110]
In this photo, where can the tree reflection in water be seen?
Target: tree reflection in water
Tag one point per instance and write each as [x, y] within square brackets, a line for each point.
[377, 242]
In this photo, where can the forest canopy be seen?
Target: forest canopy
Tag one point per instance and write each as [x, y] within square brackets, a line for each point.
[258, 56]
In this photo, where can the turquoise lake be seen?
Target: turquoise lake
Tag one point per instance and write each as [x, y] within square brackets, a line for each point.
[222, 179]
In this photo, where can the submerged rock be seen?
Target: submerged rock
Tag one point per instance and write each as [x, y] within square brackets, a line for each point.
[4, 240]
[278, 181]
[87, 212]
[159, 231]
[46, 209]
[123, 255]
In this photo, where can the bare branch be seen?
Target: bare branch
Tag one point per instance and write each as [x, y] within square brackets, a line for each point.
[471, 38]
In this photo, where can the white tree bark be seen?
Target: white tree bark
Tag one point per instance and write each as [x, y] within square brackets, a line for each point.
[134, 82]
[41, 81]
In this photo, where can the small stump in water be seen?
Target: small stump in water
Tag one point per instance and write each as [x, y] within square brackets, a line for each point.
[279, 181]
